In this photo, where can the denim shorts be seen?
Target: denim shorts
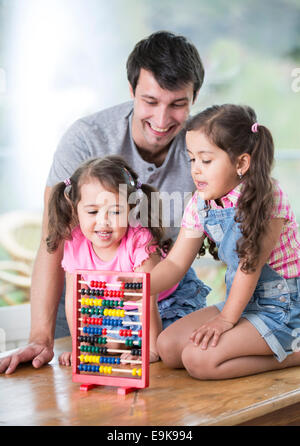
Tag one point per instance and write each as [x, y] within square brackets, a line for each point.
[274, 310]
[189, 296]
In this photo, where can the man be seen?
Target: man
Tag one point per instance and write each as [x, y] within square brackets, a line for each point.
[165, 74]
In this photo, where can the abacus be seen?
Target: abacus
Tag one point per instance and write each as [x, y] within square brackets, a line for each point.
[101, 303]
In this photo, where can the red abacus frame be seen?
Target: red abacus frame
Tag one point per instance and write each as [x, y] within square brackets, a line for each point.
[90, 380]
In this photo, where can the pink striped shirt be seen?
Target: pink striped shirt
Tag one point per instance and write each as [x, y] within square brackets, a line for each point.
[285, 257]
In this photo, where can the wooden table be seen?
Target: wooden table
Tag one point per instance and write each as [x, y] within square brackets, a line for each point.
[48, 397]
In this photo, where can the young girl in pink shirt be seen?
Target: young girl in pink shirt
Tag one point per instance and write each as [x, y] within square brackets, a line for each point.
[91, 213]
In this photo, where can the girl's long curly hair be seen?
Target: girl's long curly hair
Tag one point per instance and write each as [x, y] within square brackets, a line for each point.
[228, 127]
[112, 172]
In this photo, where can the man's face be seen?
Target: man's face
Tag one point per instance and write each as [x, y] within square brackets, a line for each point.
[158, 114]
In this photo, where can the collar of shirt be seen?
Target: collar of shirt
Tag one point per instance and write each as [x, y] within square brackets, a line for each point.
[229, 200]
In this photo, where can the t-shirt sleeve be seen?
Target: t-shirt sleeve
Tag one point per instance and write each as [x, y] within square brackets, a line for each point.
[68, 258]
[282, 208]
[72, 251]
[190, 219]
[72, 150]
[137, 246]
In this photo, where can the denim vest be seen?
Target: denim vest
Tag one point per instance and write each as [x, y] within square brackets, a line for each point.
[219, 224]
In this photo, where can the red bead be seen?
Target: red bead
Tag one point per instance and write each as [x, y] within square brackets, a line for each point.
[104, 331]
[92, 283]
[129, 333]
[140, 333]
[104, 284]
[122, 285]
[121, 332]
[100, 321]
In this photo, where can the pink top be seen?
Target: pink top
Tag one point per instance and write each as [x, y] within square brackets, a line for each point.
[285, 257]
[131, 253]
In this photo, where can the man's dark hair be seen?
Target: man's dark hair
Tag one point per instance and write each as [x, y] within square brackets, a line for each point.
[172, 59]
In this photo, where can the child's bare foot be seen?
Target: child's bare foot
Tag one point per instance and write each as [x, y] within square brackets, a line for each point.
[153, 357]
[65, 359]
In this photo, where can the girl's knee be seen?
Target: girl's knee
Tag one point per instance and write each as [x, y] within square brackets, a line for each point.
[199, 364]
[166, 346]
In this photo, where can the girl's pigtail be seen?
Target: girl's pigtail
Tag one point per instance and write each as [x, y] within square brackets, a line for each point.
[256, 202]
[150, 217]
[60, 217]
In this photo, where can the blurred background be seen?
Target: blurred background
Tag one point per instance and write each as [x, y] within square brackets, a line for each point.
[63, 59]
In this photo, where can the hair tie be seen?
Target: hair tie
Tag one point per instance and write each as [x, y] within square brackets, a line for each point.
[254, 127]
[139, 184]
[67, 182]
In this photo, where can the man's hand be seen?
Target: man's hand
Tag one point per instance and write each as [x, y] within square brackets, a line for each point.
[39, 354]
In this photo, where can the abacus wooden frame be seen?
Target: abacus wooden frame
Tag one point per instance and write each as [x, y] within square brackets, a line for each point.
[118, 381]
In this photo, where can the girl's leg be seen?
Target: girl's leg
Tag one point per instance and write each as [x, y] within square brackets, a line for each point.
[173, 339]
[240, 351]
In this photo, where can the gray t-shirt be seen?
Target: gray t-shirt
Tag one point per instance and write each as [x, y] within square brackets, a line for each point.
[108, 132]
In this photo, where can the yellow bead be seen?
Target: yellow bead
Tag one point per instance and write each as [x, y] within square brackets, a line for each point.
[133, 372]
[118, 313]
[81, 358]
[113, 313]
[101, 368]
[100, 302]
[105, 312]
[110, 370]
[139, 372]
[122, 313]
[110, 312]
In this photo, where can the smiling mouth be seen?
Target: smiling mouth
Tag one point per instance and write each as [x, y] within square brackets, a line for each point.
[160, 131]
[104, 235]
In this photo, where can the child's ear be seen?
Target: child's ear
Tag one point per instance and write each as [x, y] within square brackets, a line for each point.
[243, 164]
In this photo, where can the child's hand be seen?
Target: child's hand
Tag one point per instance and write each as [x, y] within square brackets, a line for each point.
[65, 359]
[212, 330]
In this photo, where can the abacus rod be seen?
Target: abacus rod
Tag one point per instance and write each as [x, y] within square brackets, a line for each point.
[125, 302]
[116, 341]
[126, 322]
[84, 282]
[122, 361]
[127, 293]
[126, 312]
[110, 331]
